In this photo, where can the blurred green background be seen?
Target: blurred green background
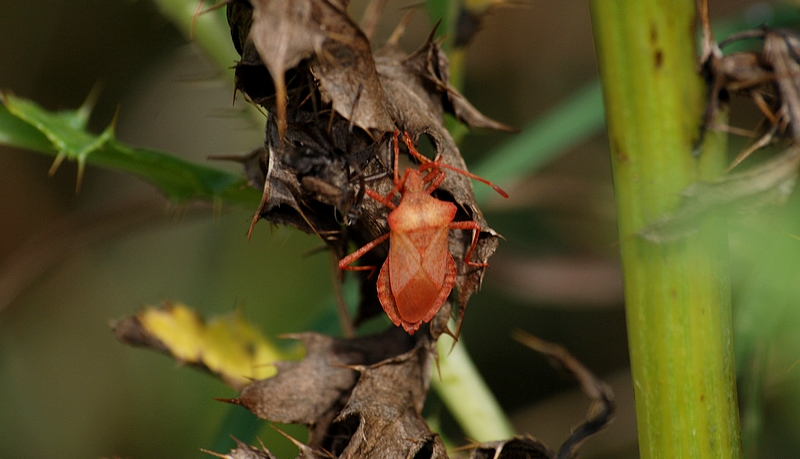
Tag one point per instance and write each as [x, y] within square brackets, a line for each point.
[71, 263]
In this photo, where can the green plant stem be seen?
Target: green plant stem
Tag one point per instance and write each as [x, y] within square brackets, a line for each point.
[466, 394]
[211, 31]
[677, 294]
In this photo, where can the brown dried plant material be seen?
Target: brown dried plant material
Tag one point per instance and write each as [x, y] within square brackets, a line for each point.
[386, 407]
[286, 32]
[781, 48]
[243, 451]
[745, 73]
[313, 390]
[321, 155]
[419, 90]
[376, 406]
[313, 175]
[770, 77]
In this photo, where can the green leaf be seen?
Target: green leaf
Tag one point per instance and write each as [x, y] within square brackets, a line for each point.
[65, 130]
[18, 133]
[24, 124]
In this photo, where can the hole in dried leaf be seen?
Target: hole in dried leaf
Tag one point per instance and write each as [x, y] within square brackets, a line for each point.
[426, 451]
[426, 146]
[340, 433]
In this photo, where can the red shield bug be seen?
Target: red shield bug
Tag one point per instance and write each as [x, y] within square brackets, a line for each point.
[419, 272]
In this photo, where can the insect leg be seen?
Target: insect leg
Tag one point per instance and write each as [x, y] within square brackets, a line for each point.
[385, 200]
[476, 229]
[344, 263]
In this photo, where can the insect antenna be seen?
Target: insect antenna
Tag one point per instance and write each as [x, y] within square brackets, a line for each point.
[427, 164]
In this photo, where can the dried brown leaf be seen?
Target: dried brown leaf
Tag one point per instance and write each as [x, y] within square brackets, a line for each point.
[302, 392]
[243, 451]
[781, 48]
[386, 406]
[313, 390]
[287, 32]
[312, 174]
[522, 447]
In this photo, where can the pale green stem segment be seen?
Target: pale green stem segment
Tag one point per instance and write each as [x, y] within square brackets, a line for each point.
[466, 394]
[677, 294]
[209, 30]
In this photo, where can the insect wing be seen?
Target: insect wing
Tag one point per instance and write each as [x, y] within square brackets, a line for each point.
[391, 307]
[387, 300]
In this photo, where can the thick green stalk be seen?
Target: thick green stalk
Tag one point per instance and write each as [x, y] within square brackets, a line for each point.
[677, 293]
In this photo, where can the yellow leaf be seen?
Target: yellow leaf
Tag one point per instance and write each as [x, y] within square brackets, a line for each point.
[225, 345]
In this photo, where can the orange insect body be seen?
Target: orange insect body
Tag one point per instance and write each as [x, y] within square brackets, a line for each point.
[419, 272]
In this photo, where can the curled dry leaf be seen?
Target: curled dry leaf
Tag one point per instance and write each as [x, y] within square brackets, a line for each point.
[286, 32]
[225, 346]
[770, 76]
[314, 178]
[781, 48]
[313, 390]
[243, 451]
[600, 413]
[385, 409]
[366, 410]
[419, 90]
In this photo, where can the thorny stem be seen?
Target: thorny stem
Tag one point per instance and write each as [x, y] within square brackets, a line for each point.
[462, 387]
[677, 293]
